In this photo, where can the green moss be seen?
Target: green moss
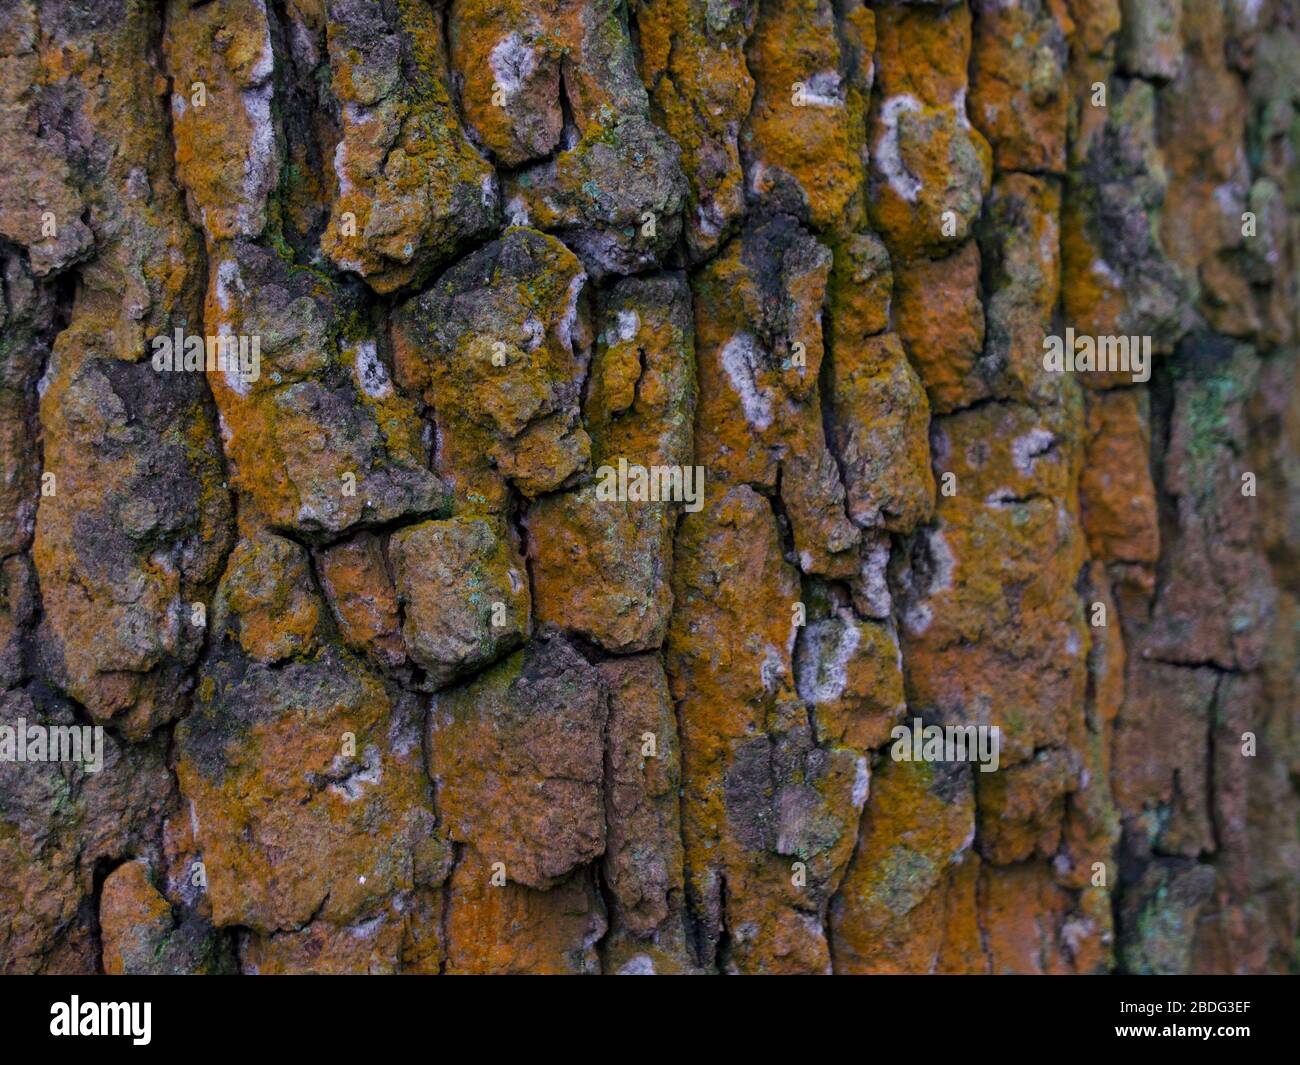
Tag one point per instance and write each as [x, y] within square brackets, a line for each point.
[1207, 425]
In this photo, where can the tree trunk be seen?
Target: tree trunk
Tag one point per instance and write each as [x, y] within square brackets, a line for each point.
[777, 486]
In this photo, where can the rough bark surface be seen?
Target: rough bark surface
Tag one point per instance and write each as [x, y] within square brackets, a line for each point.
[388, 684]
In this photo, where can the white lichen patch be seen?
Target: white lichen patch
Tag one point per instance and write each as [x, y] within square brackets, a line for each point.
[628, 325]
[873, 582]
[512, 63]
[231, 372]
[261, 166]
[824, 89]
[861, 784]
[1106, 272]
[772, 669]
[371, 374]
[942, 561]
[352, 787]
[822, 662]
[888, 154]
[228, 281]
[708, 220]
[517, 212]
[740, 359]
[1026, 449]
[570, 317]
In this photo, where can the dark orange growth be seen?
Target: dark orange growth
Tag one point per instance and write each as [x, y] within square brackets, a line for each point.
[390, 682]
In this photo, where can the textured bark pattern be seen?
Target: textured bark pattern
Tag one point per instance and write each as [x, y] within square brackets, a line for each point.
[387, 682]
